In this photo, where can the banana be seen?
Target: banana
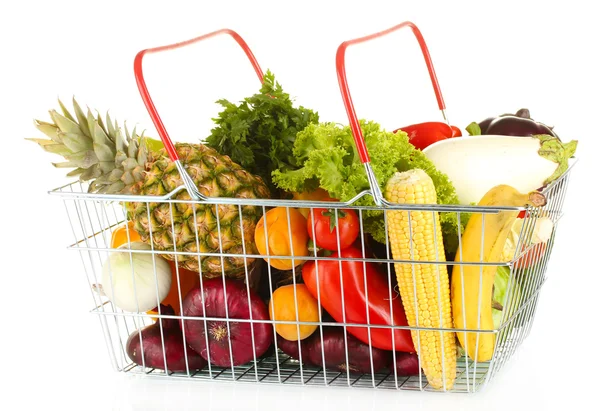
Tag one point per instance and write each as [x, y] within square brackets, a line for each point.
[465, 283]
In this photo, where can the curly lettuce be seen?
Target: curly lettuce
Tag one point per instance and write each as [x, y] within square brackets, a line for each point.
[330, 160]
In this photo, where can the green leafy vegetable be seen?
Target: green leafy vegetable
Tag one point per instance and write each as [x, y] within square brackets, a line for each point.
[329, 159]
[259, 133]
[473, 129]
[501, 298]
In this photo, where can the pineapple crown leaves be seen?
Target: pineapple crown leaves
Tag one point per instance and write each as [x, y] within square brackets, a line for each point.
[96, 149]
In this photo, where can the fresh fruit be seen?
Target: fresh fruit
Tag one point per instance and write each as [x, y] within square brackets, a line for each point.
[148, 350]
[316, 195]
[330, 225]
[115, 162]
[345, 284]
[424, 288]
[133, 281]
[286, 235]
[476, 164]
[470, 308]
[124, 234]
[226, 299]
[294, 303]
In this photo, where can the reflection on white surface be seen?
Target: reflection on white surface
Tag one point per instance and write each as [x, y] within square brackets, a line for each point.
[144, 393]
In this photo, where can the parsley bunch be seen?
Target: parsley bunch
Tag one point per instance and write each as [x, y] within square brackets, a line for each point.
[259, 133]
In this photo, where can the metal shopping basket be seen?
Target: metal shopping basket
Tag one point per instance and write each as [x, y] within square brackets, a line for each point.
[94, 218]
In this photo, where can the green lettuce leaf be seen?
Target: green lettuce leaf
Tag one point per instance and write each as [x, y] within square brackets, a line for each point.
[329, 159]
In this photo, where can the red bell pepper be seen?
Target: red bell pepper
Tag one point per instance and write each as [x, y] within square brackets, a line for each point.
[351, 289]
[424, 134]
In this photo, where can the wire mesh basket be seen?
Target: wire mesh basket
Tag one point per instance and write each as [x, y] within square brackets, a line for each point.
[213, 314]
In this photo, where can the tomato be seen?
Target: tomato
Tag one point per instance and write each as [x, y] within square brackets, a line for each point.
[278, 241]
[532, 256]
[282, 307]
[351, 289]
[326, 231]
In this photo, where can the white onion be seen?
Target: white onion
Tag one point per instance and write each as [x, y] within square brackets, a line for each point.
[132, 275]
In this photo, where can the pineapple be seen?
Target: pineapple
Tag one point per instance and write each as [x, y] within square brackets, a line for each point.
[133, 164]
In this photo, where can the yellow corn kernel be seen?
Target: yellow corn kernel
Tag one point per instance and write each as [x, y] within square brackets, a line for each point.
[438, 349]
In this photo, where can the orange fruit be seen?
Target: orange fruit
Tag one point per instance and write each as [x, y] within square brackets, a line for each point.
[278, 242]
[282, 307]
[119, 236]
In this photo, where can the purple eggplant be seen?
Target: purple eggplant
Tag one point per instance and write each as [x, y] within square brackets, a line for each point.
[334, 351]
[518, 124]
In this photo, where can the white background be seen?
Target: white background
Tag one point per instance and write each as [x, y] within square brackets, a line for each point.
[490, 59]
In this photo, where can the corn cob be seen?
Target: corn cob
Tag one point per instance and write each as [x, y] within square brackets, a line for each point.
[437, 350]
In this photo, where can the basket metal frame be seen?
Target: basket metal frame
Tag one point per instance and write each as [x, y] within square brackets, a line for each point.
[94, 216]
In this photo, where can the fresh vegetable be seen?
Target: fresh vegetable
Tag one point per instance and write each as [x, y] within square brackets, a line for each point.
[134, 281]
[465, 283]
[329, 225]
[187, 279]
[424, 288]
[280, 223]
[500, 294]
[456, 132]
[350, 286]
[333, 349]
[407, 364]
[328, 158]
[152, 346]
[316, 195]
[292, 348]
[519, 124]
[259, 133]
[424, 134]
[222, 297]
[533, 245]
[293, 302]
[114, 161]
[476, 164]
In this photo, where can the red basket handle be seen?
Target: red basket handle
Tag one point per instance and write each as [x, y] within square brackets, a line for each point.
[347, 98]
[160, 127]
